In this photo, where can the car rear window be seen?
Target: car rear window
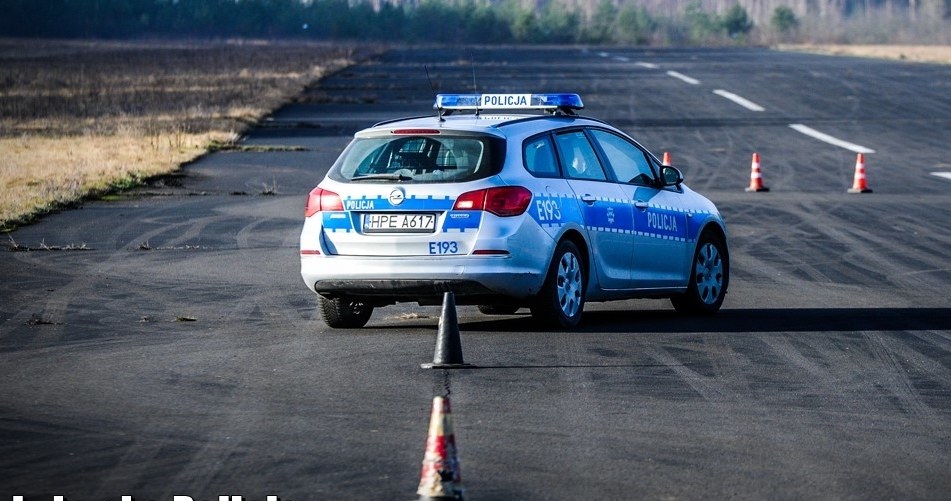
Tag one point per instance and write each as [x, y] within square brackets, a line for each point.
[420, 159]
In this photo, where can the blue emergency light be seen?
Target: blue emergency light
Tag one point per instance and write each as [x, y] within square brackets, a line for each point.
[477, 102]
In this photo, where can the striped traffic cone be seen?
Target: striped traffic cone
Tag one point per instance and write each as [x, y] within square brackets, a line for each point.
[666, 160]
[756, 176]
[859, 182]
[439, 477]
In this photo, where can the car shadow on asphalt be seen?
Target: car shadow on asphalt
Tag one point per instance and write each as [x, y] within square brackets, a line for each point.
[738, 320]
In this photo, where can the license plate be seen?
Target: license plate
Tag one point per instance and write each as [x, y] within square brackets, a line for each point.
[399, 223]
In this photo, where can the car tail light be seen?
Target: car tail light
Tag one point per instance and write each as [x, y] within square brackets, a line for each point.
[503, 201]
[473, 200]
[322, 200]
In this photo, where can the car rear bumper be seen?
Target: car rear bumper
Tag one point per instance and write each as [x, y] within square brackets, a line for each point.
[418, 278]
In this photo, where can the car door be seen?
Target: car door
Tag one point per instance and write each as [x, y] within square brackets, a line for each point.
[601, 202]
[659, 231]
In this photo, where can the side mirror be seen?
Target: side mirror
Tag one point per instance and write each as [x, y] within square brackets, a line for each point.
[671, 176]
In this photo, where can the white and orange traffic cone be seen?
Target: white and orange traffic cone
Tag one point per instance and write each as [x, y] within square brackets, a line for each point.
[666, 160]
[756, 176]
[440, 477]
[859, 181]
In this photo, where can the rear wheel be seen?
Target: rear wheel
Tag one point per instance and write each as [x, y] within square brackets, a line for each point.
[561, 299]
[709, 278]
[497, 309]
[344, 313]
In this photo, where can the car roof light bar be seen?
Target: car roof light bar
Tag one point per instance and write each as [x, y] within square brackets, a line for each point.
[552, 103]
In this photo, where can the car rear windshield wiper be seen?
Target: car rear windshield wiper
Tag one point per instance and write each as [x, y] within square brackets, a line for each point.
[385, 177]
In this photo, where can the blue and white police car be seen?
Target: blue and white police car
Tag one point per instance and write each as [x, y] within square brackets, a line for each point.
[507, 209]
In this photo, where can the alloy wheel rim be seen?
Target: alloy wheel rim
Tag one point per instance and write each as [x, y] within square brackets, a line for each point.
[569, 285]
[709, 273]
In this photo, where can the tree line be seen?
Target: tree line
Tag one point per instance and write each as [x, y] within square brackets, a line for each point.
[428, 21]
[448, 21]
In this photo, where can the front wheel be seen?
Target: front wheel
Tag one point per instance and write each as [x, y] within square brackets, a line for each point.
[709, 277]
[344, 313]
[561, 300]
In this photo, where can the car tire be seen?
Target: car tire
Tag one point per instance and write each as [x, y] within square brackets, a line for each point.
[709, 278]
[344, 313]
[560, 302]
[497, 309]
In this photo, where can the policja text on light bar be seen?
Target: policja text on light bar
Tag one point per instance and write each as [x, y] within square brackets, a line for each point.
[508, 101]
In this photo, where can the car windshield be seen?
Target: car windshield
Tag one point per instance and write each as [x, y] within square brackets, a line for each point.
[419, 159]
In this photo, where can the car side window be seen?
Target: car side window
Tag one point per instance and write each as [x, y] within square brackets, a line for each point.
[539, 157]
[629, 163]
[578, 156]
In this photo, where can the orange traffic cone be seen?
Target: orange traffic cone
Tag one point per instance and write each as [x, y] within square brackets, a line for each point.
[440, 477]
[666, 160]
[859, 182]
[756, 176]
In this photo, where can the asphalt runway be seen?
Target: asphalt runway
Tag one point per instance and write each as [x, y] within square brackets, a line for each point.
[164, 344]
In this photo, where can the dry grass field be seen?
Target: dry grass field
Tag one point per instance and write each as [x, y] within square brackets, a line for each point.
[82, 118]
[939, 54]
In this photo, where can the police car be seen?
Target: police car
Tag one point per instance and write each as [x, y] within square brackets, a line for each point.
[507, 209]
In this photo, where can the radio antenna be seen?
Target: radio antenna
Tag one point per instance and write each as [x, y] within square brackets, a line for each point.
[475, 88]
[433, 89]
[431, 86]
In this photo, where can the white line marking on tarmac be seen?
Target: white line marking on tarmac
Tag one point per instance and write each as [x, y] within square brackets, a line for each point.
[742, 101]
[685, 78]
[603, 54]
[946, 175]
[650, 66]
[809, 131]
[621, 58]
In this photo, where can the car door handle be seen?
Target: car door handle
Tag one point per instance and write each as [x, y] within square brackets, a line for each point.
[640, 204]
[588, 199]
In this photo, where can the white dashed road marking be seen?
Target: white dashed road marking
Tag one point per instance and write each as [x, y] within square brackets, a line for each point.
[742, 101]
[809, 131]
[685, 78]
[750, 105]
[945, 175]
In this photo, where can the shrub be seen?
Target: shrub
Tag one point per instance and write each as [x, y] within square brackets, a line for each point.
[736, 21]
[784, 19]
[703, 25]
[636, 25]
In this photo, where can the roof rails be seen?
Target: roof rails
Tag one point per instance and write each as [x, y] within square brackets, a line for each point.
[446, 104]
